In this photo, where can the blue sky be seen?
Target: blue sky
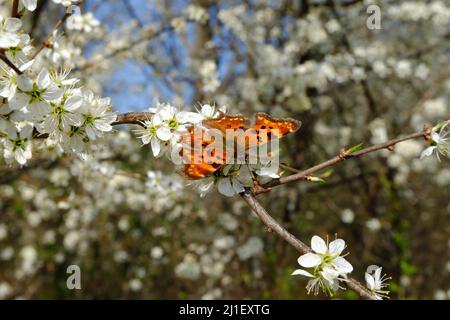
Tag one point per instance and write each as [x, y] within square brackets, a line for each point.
[134, 86]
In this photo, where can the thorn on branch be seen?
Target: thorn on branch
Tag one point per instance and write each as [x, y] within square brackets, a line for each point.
[344, 154]
[47, 44]
[257, 188]
[427, 129]
[314, 179]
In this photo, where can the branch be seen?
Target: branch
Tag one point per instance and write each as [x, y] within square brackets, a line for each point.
[302, 175]
[124, 118]
[15, 9]
[46, 42]
[273, 225]
[149, 35]
[132, 118]
[9, 63]
[132, 13]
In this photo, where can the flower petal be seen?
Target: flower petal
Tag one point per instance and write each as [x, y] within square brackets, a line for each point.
[19, 101]
[237, 186]
[30, 4]
[318, 245]
[300, 272]
[377, 275]
[329, 274]
[309, 260]
[427, 152]
[224, 186]
[336, 247]
[13, 24]
[24, 83]
[370, 281]
[20, 156]
[43, 79]
[156, 146]
[435, 136]
[164, 133]
[52, 93]
[342, 265]
[73, 103]
[102, 125]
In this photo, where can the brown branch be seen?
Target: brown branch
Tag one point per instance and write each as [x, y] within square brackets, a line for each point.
[37, 15]
[273, 225]
[124, 118]
[132, 118]
[9, 63]
[46, 42]
[339, 158]
[15, 9]
[149, 35]
[132, 12]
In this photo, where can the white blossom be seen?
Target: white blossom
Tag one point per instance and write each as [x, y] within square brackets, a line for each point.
[234, 180]
[9, 36]
[85, 23]
[63, 114]
[8, 83]
[17, 146]
[440, 143]
[210, 112]
[376, 282]
[18, 55]
[34, 96]
[148, 136]
[328, 266]
[97, 115]
[30, 4]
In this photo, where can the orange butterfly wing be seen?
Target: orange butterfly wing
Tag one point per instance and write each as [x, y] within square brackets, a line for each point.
[225, 122]
[198, 164]
[263, 130]
[266, 127]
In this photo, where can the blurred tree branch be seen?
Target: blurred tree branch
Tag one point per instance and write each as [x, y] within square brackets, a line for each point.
[45, 42]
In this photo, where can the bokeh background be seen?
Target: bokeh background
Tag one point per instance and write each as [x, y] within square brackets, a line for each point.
[138, 231]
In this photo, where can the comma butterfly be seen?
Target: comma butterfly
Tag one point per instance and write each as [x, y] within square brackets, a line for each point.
[200, 165]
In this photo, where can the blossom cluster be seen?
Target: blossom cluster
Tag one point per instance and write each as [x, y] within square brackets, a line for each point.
[43, 103]
[50, 105]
